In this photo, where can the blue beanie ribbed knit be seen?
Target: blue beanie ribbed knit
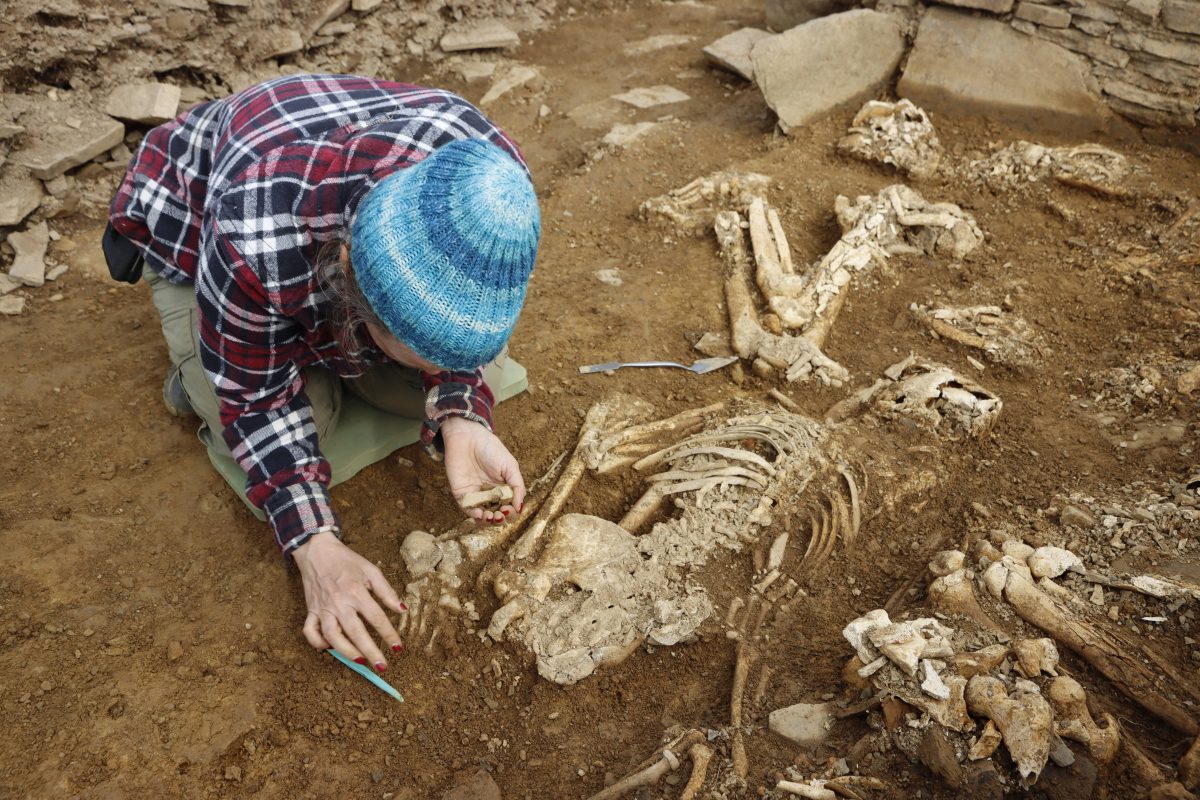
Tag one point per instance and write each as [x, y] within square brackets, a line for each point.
[442, 250]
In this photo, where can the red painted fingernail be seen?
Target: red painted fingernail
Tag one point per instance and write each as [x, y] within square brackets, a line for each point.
[521, 506]
[505, 513]
[380, 667]
[396, 648]
[403, 607]
[360, 660]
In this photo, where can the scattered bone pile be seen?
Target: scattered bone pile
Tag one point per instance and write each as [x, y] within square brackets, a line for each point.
[985, 682]
[898, 134]
[1000, 335]
[689, 209]
[1089, 166]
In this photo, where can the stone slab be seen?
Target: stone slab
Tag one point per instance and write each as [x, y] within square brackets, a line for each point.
[57, 143]
[784, 15]
[29, 264]
[363, 6]
[806, 724]
[834, 61]
[487, 35]
[651, 96]
[12, 306]
[625, 134]
[1049, 16]
[994, 6]
[19, 196]
[657, 42]
[147, 103]
[963, 65]
[282, 43]
[1182, 15]
[732, 51]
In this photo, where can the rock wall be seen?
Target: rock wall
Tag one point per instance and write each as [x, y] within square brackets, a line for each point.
[1144, 54]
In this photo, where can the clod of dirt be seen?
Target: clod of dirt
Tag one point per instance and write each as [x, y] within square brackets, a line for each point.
[477, 785]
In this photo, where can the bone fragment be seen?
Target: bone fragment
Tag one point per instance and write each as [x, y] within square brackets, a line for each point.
[783, 290]
[989, 739]
[775, 557]
[933, 684]
[1189, 767]
[745, 655]
[855, 507]
[497, 495]
[1024, 720]
[648, 774]
[750, 340]
[1109, 651]
[592, 428]
[1050, 562]
[701, 754]
[899, 134]
[813, 790]
[1073, 721]
[1035, 656]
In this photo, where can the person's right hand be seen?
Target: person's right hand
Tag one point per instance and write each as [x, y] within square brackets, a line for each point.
[338, 587]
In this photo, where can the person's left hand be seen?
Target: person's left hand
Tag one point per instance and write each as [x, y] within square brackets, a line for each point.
[476, 459]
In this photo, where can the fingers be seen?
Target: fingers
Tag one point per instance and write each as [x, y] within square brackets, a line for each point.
[331, 629]
[384, 591]
[373, 614]
[312, 632]
[358, 634]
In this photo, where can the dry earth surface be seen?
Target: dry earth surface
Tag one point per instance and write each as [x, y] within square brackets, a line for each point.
[119, 539]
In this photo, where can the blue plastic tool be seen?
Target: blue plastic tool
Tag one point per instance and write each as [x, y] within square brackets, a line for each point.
[367, 673]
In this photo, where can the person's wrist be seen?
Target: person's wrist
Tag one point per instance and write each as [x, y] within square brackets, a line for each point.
[319, 542]
[453, 426]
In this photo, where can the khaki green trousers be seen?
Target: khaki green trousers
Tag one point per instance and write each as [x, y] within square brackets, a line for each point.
[391, 388]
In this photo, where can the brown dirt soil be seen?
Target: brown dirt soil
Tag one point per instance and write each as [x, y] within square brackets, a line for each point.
[118, 537]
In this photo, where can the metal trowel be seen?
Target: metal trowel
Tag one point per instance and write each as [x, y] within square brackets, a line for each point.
[700, 367]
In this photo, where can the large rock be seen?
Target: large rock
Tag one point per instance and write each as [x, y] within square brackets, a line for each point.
[147, 103]
[830, 62]
[29, 264]
[785, 14]
[994, 6]
[732, 51]
[487, 35]
[63, 136]
[19, 196]
[806, 724]
[968, 66]
[1182, 15]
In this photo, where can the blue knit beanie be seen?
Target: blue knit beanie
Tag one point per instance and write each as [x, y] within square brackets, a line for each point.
[442, 250]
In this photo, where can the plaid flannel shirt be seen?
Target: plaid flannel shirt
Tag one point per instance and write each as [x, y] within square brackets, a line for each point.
[238, 196]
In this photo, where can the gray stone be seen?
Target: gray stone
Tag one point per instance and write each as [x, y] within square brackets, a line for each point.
[29, 265]
[1173, 106]
[1169, 72]
[10, 129]
[1182, 51]
[732, 51]
[1093, 27]
[487, 35]
[968, 66]
[1147, 10]
[474, 786]
[1049, 16]
[806, 724]
[830, 62]
[8, 284]
[12, 306]
[61, 145]
[625, 134]
[234, 3]
[659, 41]
[147, 103]
[994, 6]
[1079, 42]
[651, 96]
[282, 43]
[19, 196]
[1087, 9]
[331, 10]
[1182, 15]
[1079, 517]
[784, 15]
[363, 6]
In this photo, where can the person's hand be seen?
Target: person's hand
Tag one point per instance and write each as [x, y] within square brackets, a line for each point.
[338, 587]
[476, 459]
